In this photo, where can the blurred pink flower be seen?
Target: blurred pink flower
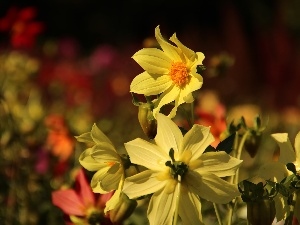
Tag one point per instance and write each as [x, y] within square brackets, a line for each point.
[81, 204]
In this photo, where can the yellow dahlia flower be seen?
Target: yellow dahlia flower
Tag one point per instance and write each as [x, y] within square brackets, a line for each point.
[103, 158]
[171, 72]
[179, 172]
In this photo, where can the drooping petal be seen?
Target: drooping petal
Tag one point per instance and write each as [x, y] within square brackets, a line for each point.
[88, 162]
[185, 94]
[190, 54]
[190, 209]
[166, 97]
[199, 60]
[168, 134]
[86, 193]
[196, 140]
[69, 202]
[195, 83]
[287, 154]
[98, 136]
[219, 163]
[162, 207]
[97, 177]
[170, 50]
[275, 171]
[146, 154]
[111, 179]
[143, 183]
[103, 199]
[153, 60]
[114, 200]
[211, 187]
[147, 84]
[86, 138]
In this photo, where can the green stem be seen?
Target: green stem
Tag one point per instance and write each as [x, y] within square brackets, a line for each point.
[148, 99]
[238, 147]
[177, 200]
[217, 214]
[239, 153]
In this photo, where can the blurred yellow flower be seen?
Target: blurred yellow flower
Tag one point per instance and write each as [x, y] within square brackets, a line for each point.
[103, 158]
[277, 171]
[171, 72]
[179, 172]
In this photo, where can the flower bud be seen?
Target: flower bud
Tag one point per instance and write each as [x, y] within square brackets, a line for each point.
[123, 209]
[261, 212]
[146, 120]
[252, 144]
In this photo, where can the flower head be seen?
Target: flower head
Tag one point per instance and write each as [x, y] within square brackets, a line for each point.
[81, 204]
[171, 72]
[179, 172]
[277, 171]
[103, 158]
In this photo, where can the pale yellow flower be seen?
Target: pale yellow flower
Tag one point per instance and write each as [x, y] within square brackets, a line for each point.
[103, 158]
[171, 72]
[179, 173]
[277, 171]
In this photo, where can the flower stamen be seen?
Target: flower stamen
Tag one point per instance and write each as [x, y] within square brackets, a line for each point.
[177, 168]
[110, 164]
[179, 73]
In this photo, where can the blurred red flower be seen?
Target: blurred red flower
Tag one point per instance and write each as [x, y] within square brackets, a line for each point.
[21, 26]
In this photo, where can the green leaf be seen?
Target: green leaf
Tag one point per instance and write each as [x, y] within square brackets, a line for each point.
[200, 69]
[227, 144]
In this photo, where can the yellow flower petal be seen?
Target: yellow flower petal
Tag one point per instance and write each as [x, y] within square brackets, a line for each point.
[168, 134]
[153, 60]
[297, 149]
[162, 207]
[147, 84]
[88, 162]
[170, 50]
[219, 163]
[190, 209]
[111, 179]
[165, 98]
[287, 154]
[275, 171]
[114, 200]
[86, 138]
[95, 182]
[190, 54]
[146, 154]
[143, 183]
[211, 187]
[197, 139]
[104, 153]
[98, 136]
[281, 206]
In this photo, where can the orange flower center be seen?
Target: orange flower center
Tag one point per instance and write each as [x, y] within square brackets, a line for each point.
[110, 164]
[179, 73]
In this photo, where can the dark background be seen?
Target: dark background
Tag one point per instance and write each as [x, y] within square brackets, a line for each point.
[262, 36]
